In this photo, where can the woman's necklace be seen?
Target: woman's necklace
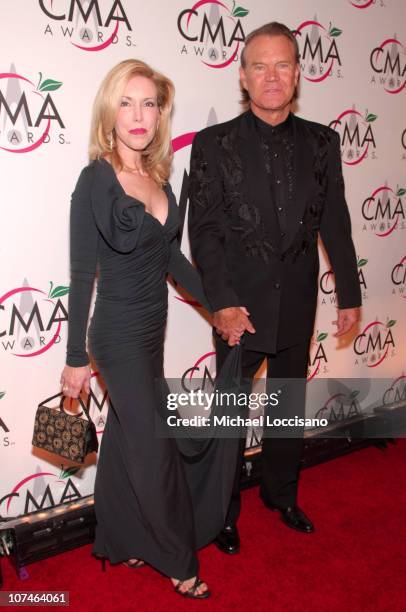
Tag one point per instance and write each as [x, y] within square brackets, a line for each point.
[135, 170]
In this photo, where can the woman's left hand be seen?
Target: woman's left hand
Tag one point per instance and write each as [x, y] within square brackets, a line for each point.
[73, 380]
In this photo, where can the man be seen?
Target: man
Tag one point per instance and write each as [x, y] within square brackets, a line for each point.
[263, 187]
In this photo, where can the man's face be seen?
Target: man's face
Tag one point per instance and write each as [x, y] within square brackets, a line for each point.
[271, 73]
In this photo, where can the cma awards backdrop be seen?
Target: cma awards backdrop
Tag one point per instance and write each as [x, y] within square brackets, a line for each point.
[54, 56]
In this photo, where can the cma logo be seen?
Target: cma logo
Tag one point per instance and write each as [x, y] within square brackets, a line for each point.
[27, 111]
[396, 392]
[319, 51]
[74, 8]
[340, 408]
[216, 32]
[328, 286]
[398, 277]
[356, 135]
[103, 31]
[41, 490]
[3, 426]
[388, 61]
[384, 211]
[201, 373]
[374, 343]
[317, 363]
[33, 325]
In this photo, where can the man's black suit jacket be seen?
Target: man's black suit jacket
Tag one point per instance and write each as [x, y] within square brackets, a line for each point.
[235, 236]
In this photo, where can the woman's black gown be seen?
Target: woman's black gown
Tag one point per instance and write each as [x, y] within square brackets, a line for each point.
[147, 502]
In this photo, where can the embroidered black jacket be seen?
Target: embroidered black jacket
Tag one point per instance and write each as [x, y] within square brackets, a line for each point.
[242, 254]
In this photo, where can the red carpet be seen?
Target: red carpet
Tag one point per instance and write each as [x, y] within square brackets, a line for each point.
[355, 561]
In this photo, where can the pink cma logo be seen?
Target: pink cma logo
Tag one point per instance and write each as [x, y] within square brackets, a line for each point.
[27, 112]
[32, 326]
[396, 392]
[213, 32]
[364, 4]
[319, 54]
[41, 490]
[388, 62]
[328, 286]
[318, 360]
[398, 278]
[340, 408]
[383, 211]
[203, 371]
[356, 136]
[375, 344]
[89, 25]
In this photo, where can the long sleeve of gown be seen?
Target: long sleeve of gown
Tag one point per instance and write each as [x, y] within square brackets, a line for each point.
[84, 238]
[186, 275]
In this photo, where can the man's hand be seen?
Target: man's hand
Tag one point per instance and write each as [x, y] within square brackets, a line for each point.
[73, 380]
[231, 323]
[346, 318]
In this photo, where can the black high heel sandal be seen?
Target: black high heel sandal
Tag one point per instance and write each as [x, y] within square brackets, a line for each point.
[134, 564]
[103, 561]
[191, 591]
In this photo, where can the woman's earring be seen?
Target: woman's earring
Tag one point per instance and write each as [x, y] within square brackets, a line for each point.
[110, 140]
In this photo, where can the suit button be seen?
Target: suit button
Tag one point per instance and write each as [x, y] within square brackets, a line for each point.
[277, 286]
[275, 155]
[278, 181]
[280, 208]
[283, 234]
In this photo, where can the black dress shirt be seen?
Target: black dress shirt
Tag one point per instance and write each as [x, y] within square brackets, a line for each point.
[278, 148]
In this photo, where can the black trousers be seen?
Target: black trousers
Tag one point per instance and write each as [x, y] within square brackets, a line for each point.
[280, 456]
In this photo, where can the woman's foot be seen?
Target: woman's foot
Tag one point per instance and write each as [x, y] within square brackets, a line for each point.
[133, 563]
[192, 587]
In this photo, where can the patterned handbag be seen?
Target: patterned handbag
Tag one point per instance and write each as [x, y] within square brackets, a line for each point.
[67, 435]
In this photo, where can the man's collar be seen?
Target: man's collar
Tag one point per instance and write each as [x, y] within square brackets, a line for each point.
[273, 130]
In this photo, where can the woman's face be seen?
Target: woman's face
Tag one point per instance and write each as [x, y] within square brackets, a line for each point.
[138, 116]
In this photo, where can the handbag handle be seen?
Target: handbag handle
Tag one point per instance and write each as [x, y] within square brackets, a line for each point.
[61, 406]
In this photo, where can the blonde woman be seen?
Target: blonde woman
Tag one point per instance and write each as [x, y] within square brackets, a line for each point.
[124, 221]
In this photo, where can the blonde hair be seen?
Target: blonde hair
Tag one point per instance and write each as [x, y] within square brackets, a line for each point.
[157, 157]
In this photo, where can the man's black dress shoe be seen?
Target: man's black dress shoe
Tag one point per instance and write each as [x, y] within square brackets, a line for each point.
[228, 540]
[294, 518]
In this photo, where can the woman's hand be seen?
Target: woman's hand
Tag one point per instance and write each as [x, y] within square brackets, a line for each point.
[73, 380]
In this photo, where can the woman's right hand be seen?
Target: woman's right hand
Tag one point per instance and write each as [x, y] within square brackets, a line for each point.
[73, 380]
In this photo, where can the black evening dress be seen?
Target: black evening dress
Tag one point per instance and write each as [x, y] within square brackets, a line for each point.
[149, 504]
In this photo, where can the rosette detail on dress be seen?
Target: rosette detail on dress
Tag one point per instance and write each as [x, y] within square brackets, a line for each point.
[119, 217]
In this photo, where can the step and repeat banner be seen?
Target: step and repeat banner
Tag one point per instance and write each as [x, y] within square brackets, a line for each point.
[54, 54]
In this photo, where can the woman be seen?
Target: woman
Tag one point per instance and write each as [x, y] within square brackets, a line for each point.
[124, 222]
